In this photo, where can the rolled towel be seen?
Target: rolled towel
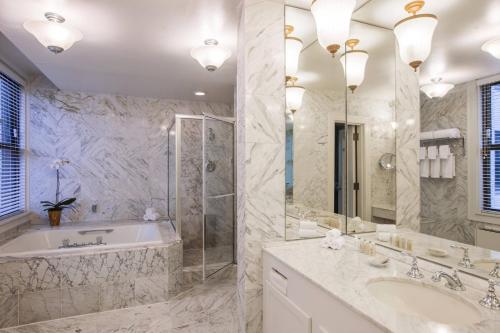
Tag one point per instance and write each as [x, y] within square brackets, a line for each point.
[448, 167]
[435, 168]
[427, 135]
[308, 233]
[422, 153]
[307, 224]
[424, 168]
[335, 244]
[432, 152]
[444, 151]
[333, 233]
[447, 133]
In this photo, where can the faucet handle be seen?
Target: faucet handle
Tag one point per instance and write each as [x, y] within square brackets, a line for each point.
[491, 301]
[414, 271]
[465, 262]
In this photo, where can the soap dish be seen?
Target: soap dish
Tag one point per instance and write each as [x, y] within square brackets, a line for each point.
[379, 261]
[435, 252]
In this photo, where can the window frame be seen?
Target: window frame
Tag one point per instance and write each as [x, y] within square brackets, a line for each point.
[474, 154]
[21, 217]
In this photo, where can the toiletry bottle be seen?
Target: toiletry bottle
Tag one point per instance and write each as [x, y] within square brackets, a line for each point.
[409, 245]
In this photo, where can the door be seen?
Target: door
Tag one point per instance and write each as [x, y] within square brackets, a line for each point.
[218, 193]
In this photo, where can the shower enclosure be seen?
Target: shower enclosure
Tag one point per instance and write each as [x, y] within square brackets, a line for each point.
[201, 190]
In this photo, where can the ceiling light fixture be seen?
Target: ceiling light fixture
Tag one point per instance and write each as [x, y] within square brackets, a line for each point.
[492, 47]
[53, 34]
[333, 19]
[293, 47]
[414, 35]
[199, 93]
[436, 88]
[354, 64]
[294, 95]
[211, 56]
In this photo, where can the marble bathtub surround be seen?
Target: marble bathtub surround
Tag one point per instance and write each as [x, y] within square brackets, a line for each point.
[348, 272]
[41, 288]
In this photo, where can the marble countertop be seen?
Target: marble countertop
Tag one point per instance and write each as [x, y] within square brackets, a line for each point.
[344, 274]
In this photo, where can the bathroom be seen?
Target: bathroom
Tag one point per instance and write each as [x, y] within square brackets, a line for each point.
[249, 166]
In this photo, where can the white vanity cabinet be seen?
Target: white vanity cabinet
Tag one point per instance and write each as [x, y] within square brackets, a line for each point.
[294, 304]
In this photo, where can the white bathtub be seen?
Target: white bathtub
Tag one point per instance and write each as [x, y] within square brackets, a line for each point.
[51, 241]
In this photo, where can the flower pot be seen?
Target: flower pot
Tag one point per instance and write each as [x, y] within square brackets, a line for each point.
[54, 217]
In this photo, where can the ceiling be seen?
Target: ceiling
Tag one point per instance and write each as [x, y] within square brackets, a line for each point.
[139, 48]
[456, 55]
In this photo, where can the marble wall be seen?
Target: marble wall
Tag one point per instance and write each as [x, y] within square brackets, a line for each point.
[117, 146]
[444, 201]
[407, 146]
[311, 133]
[37, 289]
[261, 147]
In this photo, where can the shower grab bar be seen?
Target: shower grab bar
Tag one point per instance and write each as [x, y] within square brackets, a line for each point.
[84, 232]
[220, 196]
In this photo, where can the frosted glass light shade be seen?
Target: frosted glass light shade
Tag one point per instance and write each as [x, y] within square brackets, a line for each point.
[294, 95]
[354, 65]
[492, 47]
[57, 37]
[414, 35]
[293, 49]
[436, 89]
[333, 19]
[211, 56]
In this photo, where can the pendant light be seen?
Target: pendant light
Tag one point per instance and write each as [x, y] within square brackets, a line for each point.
[492, 47]
[354, 64]
[52, 33]
[333, 19]
[293, 47]
[294, 95]
[436, 88]
[211, 56]
[414, 34]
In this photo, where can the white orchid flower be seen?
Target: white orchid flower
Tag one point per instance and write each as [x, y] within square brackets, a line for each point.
[57, 164]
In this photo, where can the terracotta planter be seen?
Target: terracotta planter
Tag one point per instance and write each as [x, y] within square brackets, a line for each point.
[54, 217]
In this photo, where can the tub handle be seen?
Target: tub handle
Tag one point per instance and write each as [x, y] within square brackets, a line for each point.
[84, 232]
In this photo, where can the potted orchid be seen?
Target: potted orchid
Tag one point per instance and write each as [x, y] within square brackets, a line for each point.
[54, 209]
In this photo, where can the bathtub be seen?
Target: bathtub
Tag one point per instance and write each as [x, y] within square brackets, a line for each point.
[73, 239]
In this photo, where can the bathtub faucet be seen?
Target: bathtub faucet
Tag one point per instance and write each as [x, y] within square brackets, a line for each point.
[66, 244]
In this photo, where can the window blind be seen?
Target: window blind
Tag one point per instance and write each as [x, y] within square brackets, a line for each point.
[490, 146]
[12, 171]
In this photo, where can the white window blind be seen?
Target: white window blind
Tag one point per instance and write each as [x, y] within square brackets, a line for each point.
[490, 146]
[12, 171]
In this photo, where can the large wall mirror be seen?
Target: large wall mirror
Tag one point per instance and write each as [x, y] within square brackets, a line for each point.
[396, 134]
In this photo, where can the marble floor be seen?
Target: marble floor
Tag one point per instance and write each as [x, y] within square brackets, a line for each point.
[210, 307]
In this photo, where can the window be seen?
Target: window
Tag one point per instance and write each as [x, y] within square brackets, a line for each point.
[490, 146]
[11, 147]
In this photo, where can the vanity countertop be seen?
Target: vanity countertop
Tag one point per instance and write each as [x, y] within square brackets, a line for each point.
[344, 274]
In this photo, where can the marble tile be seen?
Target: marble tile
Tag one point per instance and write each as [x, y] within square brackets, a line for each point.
[152, 289]
[9, 310]
[39, 306]
[116, 295]
[78, 301]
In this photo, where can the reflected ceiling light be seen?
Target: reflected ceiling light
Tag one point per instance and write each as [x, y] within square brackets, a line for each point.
[436, 88]
[492, 47]
[293, 48]
[211, 56]
[414, 35]
[199, 93]
[52, 33]
[294, 95]
[333, 18]
[354, 64]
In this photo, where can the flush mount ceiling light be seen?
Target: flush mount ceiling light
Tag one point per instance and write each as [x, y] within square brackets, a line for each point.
[333, 18]
[293, 47]
[354, 64]
[53, 34]
[492, 47]
[294, 95]
[211, 56]
[414, 35]
[436, 88]
[199, 93]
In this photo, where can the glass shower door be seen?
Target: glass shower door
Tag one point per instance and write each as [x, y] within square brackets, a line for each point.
[218, 193]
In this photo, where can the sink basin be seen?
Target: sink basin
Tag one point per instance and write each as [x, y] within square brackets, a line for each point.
[486, 265]
[424, 300]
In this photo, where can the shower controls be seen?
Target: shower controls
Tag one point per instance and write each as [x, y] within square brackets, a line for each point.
[211, 135]
[211, 166]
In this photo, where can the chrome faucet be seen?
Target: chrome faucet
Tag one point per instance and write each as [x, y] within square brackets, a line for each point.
[414, 271]
[490, 301]
[495, 272]
[452, 281]
[465, 262]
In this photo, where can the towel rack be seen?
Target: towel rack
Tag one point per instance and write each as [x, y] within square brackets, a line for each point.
[432, 142]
